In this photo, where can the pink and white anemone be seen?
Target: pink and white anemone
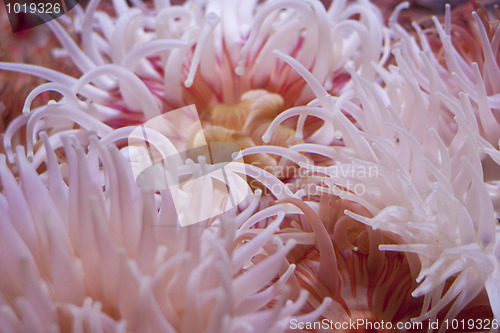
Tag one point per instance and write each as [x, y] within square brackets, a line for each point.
[84, 249]
[478, 78]
[145, 61]
[96, 253]
[428, 130]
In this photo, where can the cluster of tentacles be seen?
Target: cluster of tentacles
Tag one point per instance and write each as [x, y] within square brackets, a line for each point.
[367, 153]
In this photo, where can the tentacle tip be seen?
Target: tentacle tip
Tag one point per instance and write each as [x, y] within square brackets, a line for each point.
[188, 83]
[10, 156]
[240, 69]
[327, 300]
[350, 68]
[212, 18]
[277, 53]
[291, 243]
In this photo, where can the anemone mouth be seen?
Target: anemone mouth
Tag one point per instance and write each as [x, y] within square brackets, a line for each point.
[245, 124]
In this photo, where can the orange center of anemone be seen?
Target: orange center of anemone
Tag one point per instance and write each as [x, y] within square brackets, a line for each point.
[244, 124]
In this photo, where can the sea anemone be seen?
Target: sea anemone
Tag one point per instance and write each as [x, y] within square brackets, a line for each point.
[80, 253]
[363, 150]
[428, 145]
[147, 61]
[85, 224]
